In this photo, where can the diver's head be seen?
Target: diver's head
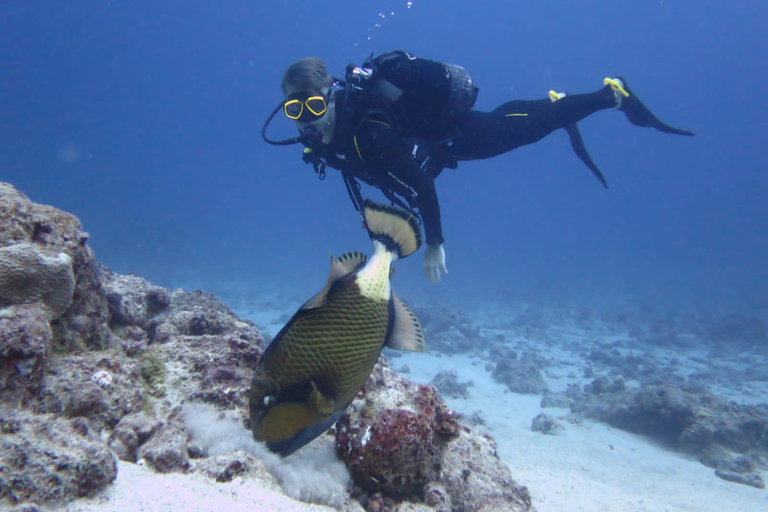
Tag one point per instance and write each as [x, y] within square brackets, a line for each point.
[308, 98]
[308, 74]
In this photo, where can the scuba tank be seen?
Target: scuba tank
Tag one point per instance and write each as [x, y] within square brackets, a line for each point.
[425, 96]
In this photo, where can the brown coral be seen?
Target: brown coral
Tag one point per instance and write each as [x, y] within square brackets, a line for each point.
[42, 232]
[28, 276]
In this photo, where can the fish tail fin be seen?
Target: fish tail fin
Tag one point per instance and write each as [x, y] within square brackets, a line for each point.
[395, 228]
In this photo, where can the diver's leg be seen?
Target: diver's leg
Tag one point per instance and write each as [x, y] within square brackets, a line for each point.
[521, 106]
[637, 113]
[518, 123]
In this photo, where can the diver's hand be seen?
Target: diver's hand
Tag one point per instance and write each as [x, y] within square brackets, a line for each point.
[434, 262]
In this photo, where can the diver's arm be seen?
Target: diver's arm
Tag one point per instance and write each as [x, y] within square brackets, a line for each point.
[388, 160]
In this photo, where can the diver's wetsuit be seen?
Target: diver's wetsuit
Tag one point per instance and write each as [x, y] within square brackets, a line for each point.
[517, 123]
[367, 146]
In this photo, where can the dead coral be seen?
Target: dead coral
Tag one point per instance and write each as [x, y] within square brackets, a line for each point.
[29, 276]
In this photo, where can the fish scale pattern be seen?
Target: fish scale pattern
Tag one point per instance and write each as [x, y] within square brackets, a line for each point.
[338, 342]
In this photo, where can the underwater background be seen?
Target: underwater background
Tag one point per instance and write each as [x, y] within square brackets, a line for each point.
[144, 118]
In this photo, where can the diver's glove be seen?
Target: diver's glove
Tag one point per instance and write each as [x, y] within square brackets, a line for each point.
[434, 262]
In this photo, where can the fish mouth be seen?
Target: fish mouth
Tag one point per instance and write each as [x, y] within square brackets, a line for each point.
[285, 447]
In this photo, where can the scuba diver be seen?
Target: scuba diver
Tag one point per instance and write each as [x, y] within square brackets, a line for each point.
[397, 121]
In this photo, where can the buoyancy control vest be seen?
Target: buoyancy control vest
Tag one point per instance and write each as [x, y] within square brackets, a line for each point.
[342, 152]
[426, 97]
[420, 99]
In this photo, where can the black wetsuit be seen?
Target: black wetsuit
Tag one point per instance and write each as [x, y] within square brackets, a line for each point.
[368, 146]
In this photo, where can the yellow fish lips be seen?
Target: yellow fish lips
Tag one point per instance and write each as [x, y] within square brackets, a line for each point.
[287, 419]
[280, 424]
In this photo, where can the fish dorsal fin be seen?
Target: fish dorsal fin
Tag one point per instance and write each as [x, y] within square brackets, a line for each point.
[322, 404]
[351, 261]
[341, 266]
[406, 331]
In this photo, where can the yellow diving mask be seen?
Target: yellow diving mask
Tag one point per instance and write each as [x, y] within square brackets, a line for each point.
[299, 107]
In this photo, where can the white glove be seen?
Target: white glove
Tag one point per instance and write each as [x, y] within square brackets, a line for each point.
[434, 262]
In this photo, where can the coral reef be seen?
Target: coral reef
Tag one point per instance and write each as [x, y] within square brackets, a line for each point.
[131, 432]
[448, 384]
[54, 244]
[29, 276]
[686, 419]
[47, 459]
[26, 343]
[450, 330]
[546, 424]
[520, 375]
[100, 386]
[96, 365]
[399, 440]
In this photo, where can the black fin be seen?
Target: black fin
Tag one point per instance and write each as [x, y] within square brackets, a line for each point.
[640, 115]
[577, 143]
[341, 266]
[352, 260]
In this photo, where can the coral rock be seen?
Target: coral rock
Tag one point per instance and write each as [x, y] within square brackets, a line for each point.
[520, 376]
[133, 301]
[28, 276]
[26, 341]
[131, 432]
[448, 384]
[752, 479]
[50, 460]
[477, 480]
[399, 438]
[166, 451]
[395, 449]
[48, 238]
[546, 424]
[100, 386]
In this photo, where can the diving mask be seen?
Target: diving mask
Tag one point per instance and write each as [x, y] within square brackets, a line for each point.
[301, 107]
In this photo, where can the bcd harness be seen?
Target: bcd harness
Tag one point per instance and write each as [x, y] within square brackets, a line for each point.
[391, 88]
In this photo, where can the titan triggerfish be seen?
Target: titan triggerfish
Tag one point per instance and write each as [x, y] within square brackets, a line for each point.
[320, 359]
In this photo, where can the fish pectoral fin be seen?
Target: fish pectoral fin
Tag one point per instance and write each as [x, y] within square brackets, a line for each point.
[340, 267]
[406, 332]
[322, 404]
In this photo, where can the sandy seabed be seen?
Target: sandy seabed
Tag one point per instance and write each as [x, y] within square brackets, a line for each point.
[588, 467]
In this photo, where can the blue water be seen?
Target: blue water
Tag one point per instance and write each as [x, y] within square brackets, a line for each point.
[143, 119]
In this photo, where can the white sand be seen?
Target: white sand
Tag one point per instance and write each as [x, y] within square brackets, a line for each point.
[577, 470]
[589, 467]
[139, 489]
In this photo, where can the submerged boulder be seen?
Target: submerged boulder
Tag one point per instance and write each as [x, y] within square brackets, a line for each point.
[400, 441]
[47, 459]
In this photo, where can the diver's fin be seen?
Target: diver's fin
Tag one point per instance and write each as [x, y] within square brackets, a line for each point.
[341, 266]
[637, 113]
[397, 229]
[406, 332]
[577, 143]
[320, 402]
